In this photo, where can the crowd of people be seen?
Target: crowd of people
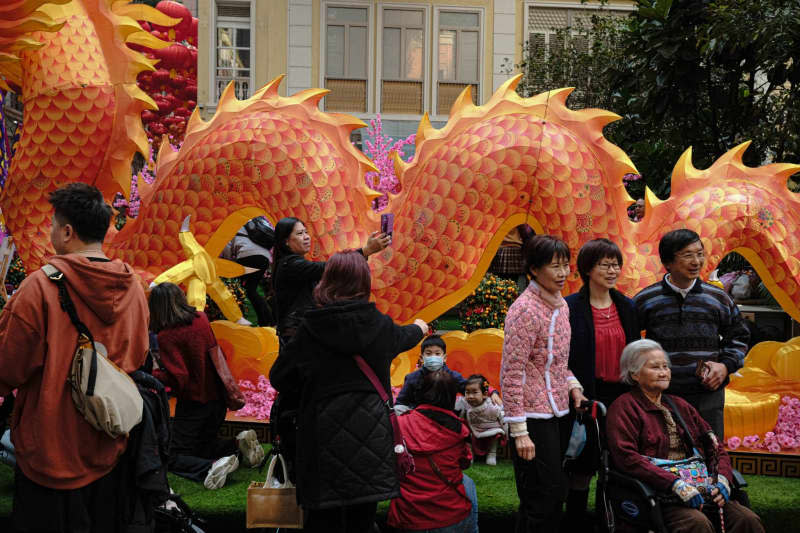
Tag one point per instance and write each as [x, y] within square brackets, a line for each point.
[343, 442]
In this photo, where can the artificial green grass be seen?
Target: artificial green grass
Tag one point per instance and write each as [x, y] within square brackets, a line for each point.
[775, 499]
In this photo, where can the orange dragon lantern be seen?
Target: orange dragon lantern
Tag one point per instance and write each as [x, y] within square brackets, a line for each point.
[509, 161]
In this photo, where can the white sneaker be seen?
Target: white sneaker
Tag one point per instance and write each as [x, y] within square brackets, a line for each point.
[219, 472]
[251, 449]
[491, 459]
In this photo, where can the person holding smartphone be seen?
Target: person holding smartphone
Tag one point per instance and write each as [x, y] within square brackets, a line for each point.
[294, 277]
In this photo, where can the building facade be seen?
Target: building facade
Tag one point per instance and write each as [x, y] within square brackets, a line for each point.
[398, 59]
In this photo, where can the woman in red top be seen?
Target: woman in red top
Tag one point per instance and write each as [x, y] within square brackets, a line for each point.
[603, 322]
[436, 497]
[184, 339]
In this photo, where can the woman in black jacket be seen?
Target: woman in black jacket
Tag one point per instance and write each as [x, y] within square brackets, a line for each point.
[294, 276]
[345, 461]
[603, 322]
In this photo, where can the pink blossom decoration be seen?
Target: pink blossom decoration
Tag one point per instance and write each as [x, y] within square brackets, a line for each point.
[784, 436]
[259, 398]
[380, 151]
[734, 442]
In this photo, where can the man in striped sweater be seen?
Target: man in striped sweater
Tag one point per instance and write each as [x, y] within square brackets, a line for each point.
[698, 325]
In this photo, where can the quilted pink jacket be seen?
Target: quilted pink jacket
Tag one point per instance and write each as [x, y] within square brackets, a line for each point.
[534, 374]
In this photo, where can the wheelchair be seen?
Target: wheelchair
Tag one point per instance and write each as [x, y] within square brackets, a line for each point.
[622, 499]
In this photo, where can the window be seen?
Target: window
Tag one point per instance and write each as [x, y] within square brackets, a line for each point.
[346, 47]
[233, 45]
[458, 61]
[403, 61]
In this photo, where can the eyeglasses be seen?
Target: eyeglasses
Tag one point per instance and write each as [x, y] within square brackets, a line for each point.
[700, 256]
[609, 266]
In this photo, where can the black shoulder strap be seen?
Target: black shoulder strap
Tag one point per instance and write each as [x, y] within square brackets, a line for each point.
[57, 277]
[681, 421]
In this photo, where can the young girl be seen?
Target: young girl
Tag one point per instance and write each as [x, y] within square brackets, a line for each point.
[184, 338]
[483, 416]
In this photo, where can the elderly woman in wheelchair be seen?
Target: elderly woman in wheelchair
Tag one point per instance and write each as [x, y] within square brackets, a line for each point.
[662, 441]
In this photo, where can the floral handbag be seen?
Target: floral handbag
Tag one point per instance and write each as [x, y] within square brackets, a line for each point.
[692, 470]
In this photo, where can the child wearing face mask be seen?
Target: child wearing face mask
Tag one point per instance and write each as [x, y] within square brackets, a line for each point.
[433, 357]
[483, 416]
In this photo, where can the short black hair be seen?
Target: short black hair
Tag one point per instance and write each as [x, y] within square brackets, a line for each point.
[482, 382]
[541, 249]
[433, 340]
[674, 241]
[593, 252]
[438, 388]
[83, 207]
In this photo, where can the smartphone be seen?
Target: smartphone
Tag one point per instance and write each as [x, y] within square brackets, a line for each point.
[387, 223]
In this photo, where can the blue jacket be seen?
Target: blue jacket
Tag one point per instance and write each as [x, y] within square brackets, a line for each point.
[581, 345]
[413, 381]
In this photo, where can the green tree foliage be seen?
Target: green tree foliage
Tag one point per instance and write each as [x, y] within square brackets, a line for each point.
[706, 74]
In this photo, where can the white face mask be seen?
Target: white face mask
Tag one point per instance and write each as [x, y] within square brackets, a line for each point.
[433, 362]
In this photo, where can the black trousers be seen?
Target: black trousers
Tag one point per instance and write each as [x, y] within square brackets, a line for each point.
[541, 482]
[251, 282]
[96, 508]
[194, 446]
[711, 406]
[358, 518]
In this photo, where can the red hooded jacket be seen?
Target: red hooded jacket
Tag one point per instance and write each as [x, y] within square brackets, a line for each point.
[426, 501]
[55, 446]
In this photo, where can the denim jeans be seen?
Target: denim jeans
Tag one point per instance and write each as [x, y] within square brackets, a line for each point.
[470, 523]
[7, 455]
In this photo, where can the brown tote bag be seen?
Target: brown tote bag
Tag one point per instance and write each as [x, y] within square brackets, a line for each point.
[234, 399]
[273, 504]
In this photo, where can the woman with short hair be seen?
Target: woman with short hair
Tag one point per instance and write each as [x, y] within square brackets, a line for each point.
[345, 459]
[644, 425]
[603, 321]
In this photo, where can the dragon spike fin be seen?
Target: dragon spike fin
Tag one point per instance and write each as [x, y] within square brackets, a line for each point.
[400, 166]
[463, 102]
[367, 165]
[509, 86]
[651, 201]
[144, 12]
[195, 121]
[683, 171]
[599, 117]
[270, 89]
[227, 98]
[561, 95]
[310, 96]
[346, 121]
[371, 194]
[736, 153]
[165, 154]
[424, 129]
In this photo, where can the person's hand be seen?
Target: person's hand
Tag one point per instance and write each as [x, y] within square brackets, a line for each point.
[577, 397]
[688, 494]
[716, 375]
[525, 447]
[422, 325]
[375, 243]
[496, 400]
[720, 494]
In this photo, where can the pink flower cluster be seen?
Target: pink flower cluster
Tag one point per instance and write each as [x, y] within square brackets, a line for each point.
[148, 175]
[785, 435]
[259, 398]
[380, 151]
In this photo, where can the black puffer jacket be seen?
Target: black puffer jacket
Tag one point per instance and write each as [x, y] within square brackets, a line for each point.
[344, 454]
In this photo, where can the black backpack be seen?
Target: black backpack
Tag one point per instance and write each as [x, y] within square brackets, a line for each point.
[259, 232]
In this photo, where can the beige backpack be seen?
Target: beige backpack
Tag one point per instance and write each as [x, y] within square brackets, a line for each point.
[104, 394]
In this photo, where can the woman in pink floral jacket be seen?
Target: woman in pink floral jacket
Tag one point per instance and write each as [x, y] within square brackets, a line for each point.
[537, 385]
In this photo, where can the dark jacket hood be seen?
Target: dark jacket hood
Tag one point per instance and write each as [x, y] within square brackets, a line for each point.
[105, 287]
[347, 326]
